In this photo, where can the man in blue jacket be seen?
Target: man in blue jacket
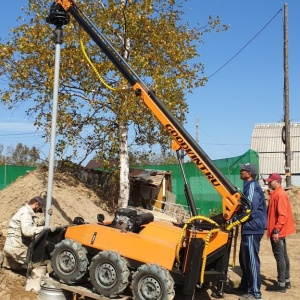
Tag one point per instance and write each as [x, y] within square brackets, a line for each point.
[252, 233]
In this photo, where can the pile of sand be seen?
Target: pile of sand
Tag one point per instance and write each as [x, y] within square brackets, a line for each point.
[294, 194]
[70, 198]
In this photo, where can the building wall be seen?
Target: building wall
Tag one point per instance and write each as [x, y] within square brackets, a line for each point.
[267, 141]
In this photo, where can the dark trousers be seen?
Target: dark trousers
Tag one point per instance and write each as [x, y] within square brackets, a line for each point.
[250, 263]
[282, 260]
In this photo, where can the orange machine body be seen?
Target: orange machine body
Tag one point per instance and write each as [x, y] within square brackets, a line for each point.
[156, 242]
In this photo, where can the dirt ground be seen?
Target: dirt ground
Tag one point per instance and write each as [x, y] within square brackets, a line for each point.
[71, 198]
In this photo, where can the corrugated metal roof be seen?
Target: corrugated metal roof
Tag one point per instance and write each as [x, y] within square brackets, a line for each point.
[267, 141]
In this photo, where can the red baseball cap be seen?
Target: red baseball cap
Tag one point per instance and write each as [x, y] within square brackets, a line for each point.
[273, 176]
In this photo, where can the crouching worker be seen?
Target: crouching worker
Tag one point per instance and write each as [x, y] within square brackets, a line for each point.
[21, 229]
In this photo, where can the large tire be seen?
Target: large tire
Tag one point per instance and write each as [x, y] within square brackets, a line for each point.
[109, 273]
[69, 261]
[152, 282]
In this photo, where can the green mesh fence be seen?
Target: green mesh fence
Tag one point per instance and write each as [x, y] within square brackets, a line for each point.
[208, 201]
[9, 174]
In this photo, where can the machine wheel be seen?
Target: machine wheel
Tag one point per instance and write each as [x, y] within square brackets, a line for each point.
[152, 282]
[109, 273]
[69, 261]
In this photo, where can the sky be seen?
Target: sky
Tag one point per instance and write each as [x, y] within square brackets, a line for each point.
[245, 69]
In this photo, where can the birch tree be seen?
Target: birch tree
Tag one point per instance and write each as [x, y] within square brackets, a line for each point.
[97, 109]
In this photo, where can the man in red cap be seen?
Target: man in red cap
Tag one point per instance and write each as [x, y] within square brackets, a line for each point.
[280, 224]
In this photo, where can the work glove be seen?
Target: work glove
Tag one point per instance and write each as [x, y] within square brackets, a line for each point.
[38, 221]
[41, 221]
[52, 228]
[50, 211]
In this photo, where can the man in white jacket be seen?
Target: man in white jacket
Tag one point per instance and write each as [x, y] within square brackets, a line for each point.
[21, 229]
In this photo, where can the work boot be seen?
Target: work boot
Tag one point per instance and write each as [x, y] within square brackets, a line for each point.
[288, 285]
[240, 290]
[9, 263]
[276, 288]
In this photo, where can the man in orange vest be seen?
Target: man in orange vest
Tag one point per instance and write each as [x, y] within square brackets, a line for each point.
[280, 224]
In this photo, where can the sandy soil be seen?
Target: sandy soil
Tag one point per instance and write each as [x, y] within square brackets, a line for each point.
[71, 198]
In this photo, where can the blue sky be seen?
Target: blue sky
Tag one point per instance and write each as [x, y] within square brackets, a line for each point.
[247, 91]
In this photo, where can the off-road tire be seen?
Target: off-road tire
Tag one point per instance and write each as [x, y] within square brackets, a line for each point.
[152, 282]
[69, 261]
[109, 273]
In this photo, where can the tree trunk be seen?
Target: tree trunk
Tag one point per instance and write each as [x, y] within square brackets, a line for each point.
[123, 154]
[124, 167]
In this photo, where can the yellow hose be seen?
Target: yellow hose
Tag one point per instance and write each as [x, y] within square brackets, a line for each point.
[179, 244]
[205, 253]
[94, 68]
[208, 236]
[238, 222]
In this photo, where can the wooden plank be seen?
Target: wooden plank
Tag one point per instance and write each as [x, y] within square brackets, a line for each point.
[71, 288]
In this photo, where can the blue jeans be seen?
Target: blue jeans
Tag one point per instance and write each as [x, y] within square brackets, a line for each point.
[282, 261]
[250, 263]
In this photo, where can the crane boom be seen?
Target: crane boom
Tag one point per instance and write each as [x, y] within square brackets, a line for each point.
[231, 196]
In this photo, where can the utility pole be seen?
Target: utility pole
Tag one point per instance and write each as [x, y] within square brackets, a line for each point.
[287, 137]
[197, 130]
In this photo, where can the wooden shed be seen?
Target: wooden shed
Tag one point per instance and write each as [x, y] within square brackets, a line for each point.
[150, 188]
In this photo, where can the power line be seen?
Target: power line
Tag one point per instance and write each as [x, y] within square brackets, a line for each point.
[244, 46]
[19, 134]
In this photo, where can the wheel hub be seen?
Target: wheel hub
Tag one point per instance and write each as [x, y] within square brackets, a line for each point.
[67, 261]
[106, 275]
[150, 288]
